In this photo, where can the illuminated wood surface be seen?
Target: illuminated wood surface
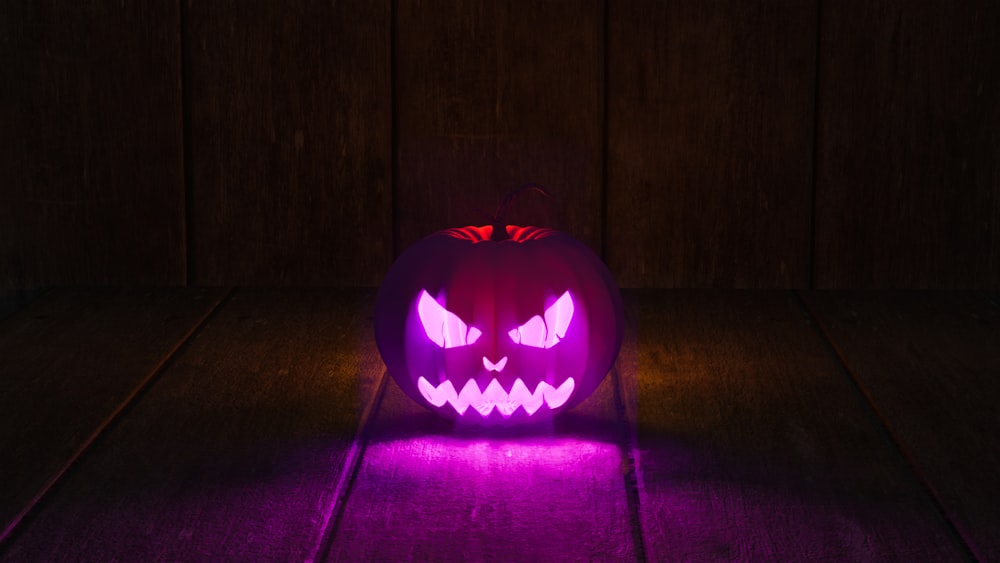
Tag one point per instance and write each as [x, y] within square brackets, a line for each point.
[552, 494]
[731, 428]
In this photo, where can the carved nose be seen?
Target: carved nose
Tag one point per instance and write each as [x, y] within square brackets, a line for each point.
[490, 366]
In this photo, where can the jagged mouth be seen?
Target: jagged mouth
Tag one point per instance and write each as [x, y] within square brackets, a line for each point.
[496, 397]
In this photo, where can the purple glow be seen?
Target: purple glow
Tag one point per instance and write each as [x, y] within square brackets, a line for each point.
[498, 367]
[546, 334]
[470, 499]
[495, 396]
[442, 326]
[448, 330]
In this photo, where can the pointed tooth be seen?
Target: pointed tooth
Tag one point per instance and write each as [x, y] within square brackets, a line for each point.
[494, 392]
[437, 396]
[557, 397]
[495, 396]
[470, 395]
[519, 395]
[503, 401]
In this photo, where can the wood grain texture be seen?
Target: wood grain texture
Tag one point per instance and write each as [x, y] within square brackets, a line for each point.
[930, 363]
[235, 450]
[290, 142]
[69, 361]
[754, 446]
[90, 114]
[492, 95]
[710, 133]
[908, 180]
[428, 491]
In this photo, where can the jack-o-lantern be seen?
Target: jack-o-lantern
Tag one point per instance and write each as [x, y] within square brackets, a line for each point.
[498, 324]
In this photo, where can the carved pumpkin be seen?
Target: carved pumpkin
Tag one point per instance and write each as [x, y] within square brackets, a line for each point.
[498, 324]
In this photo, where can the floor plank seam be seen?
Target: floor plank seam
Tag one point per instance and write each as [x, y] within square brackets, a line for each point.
[22, 517]
[629, 447]
[348, 474]
[885, 429]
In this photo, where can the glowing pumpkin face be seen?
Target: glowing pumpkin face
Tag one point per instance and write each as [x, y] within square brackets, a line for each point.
[498, 331]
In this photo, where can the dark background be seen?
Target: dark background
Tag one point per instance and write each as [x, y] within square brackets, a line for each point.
[720, 143]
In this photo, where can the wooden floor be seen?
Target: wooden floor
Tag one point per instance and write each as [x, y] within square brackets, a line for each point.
[260, 425]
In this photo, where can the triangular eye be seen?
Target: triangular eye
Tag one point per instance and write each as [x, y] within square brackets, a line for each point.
[442, 326]
[546, 334]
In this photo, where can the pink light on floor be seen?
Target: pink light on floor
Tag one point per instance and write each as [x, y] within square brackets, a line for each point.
[495, 396]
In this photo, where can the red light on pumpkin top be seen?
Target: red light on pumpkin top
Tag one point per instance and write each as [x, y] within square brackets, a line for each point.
[498, 324]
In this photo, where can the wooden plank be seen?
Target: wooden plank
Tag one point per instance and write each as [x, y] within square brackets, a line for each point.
[235, 452]
[710, 134]
[907, 194]
[930, 363]
[290, 142]
[754, 447]
[90, 111]
[492, 95]
[426, 490]
[70, 361]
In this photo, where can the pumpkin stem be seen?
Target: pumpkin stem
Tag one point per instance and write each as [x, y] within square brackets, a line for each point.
[500, 217]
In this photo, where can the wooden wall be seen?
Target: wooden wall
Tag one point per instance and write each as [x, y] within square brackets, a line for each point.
[90, 143]
[784, 143]
[908, 145]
